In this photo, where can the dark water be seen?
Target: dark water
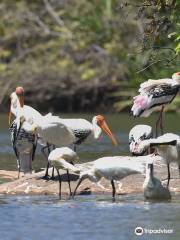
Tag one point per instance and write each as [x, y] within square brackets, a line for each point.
[86, 217]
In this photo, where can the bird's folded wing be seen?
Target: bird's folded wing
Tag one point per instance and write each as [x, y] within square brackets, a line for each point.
[62, 164]
[153, 84]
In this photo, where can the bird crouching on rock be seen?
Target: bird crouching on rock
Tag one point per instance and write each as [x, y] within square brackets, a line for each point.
[153, 188]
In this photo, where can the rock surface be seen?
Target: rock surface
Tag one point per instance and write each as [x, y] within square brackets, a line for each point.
[35, 184]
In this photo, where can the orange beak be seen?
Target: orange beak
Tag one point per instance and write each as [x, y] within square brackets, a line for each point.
[106, 129]
[21, 100]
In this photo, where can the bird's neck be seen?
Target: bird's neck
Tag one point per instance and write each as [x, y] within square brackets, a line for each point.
[96, 130]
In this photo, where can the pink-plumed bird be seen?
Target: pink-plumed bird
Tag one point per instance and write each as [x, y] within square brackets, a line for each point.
[153, 94]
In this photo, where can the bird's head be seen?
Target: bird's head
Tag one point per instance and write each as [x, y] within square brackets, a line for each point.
[137, 134]
[176, 77]
[20, 94]
[16, 101]
[100, 124]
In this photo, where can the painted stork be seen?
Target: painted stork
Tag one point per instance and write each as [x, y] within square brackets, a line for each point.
[27, 115]
[153, 188]
[137, 134]
[63, 158]
[155, 93]
[168, 147]
[113, 168]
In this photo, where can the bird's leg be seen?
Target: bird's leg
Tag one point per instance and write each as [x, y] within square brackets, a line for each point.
[113, 190]
[161, 120]
[46, 176]
[179, 171]
[157, 123]
[52, 177]
[168, 168]
[59, 178]
[80, 181]
[70, 193]
[74, 148]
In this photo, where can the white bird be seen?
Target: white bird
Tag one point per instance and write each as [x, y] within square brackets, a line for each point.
[63, 158]
[24, 143]
[168, 147]
[113, 168]
[137, 134]
[153, 188]
[155, 93]
[84, 130]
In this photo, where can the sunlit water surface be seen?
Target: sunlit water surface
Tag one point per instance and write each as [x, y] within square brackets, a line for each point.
[86, 217]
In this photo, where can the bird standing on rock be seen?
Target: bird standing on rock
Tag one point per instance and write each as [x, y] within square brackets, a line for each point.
[63, 158]
[155, 93]
[113, 168]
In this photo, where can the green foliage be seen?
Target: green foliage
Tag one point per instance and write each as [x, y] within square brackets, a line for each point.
[77, 46]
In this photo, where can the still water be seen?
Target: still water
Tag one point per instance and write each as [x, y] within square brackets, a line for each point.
[87, 217]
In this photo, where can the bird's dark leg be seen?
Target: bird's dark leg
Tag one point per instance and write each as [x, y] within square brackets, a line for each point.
[75, 148]
[46, 176]
[169, 176]
[80, 181]
[113, 189]
[157, 123]
[161, 120]
[15, 149]
[52, 178]
[179, 170]
[59, 178]
[70, 193]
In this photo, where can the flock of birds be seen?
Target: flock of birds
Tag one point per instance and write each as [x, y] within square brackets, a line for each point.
[56, 135]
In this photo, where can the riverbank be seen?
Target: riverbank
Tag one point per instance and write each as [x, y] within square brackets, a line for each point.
[34, 184]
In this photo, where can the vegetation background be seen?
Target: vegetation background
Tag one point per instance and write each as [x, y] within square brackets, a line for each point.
[84, 55]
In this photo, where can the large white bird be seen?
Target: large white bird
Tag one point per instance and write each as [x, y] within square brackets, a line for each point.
[168, 147]
[24, 143]
[85, 131]
[63, 158]
[113, 168]
[25, 116]
[153, 188]
[137, 134]
[155, 93]
[54, 129]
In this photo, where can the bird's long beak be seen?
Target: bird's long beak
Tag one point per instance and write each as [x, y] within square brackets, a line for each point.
[21, 100]
[107, 130]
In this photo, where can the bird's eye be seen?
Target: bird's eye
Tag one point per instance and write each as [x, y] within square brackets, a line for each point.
[143, 137]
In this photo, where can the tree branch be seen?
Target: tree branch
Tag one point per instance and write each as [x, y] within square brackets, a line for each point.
[160, 60]
[53, 13]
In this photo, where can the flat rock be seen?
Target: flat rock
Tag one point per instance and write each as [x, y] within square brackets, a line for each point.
[35, 184]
